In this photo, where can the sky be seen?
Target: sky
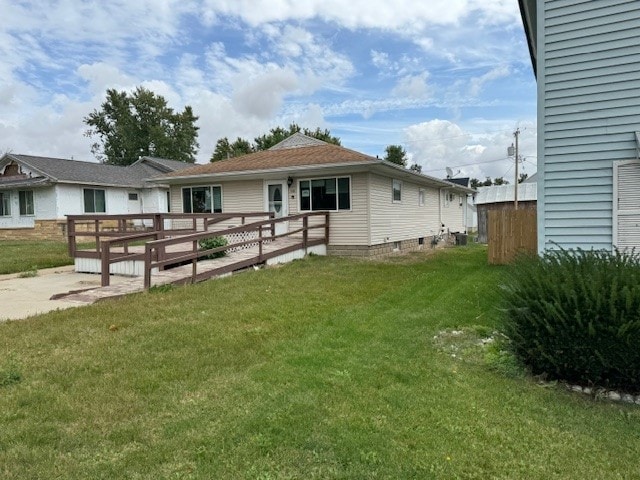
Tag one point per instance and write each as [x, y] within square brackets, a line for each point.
[449, 80]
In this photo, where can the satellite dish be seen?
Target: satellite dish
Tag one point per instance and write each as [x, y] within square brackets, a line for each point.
[449, 172]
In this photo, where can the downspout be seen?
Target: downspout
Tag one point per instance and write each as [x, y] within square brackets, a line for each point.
[439, 210]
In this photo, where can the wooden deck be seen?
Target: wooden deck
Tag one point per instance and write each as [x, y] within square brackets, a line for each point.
[257, 244]
[286, 248]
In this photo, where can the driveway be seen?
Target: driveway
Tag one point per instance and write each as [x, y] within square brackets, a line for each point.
[24, 297]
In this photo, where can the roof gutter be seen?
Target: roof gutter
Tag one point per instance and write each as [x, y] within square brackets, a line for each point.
[243, 173]
[529, 16]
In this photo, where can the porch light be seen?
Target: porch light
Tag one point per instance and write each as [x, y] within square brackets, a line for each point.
[289, 181]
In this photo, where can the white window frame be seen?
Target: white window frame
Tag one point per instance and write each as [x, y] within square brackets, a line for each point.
[337, 209]
[422, 194]
[33, 204]
[94, 190]
[393, 190]
[6, 197]
[446, 198]
[210, 187]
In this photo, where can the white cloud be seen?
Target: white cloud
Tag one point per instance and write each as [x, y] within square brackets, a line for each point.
[59, 57]
[263, 97]
[412, 86]
[397, 15]
[477, 83]
[438, 144]
[101, 76]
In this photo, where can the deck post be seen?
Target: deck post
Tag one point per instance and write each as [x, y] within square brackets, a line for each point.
[71, 236]
[147, 267]
[104, 262]
[272, 216]
[305, 232]
[194, 263]
[259, 243]
[326, 229]
[96, 229]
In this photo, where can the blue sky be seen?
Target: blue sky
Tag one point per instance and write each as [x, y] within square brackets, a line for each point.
[449, 80]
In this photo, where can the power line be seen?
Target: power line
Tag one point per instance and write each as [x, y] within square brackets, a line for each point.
[470, 164]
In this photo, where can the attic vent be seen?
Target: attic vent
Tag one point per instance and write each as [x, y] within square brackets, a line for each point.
[12, 169]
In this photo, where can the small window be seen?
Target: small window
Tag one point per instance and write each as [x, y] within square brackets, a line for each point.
[397, 191]
[396, 246]
[446, 198]
[133, 197]
[94, 201]
[5, 204]
[421, 241]
[325, 194]
[421, 194]
[202, 200]
[25, 199]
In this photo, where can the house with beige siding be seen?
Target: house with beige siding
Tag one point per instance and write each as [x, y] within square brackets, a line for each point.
[376, 207]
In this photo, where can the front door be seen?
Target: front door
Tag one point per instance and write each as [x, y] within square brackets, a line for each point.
[276, 195]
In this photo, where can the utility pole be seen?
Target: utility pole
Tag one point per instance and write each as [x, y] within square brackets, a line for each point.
[515, 191]
[514, 151]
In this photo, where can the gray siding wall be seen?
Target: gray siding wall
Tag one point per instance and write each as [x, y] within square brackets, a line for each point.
[588, 111]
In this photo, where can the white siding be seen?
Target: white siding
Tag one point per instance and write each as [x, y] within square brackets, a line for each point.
[453, 210]
[626, 219]
[394, 221]
[44, 201]
[71, 199]
[589, 91]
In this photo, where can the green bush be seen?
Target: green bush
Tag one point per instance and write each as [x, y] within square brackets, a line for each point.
[575, 316]
[213, 242]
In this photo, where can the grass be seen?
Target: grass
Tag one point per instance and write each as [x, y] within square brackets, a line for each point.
[30, 256]
[324, 368]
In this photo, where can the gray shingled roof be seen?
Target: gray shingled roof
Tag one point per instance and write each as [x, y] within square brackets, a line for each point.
[163, 165]
[76, 171]
[298, 140]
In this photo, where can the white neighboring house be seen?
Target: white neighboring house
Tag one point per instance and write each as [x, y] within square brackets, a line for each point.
[36, 193]
[471, 215]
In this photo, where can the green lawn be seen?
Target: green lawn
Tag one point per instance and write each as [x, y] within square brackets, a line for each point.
[28, 255]
[323, 368]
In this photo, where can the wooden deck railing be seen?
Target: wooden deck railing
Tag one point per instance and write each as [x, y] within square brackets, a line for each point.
[156, 250]
[124, 228]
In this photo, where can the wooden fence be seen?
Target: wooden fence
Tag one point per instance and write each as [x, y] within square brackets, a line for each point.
[511, 232]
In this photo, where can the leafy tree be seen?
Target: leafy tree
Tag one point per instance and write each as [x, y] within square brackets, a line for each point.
[141, 123]
[241, 146]
[500, 181]
[475, 183]
[224, 149]
[396, 154]
[416, 168]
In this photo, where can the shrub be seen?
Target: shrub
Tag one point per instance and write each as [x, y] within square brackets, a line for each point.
[213, 242]
[575, 316]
